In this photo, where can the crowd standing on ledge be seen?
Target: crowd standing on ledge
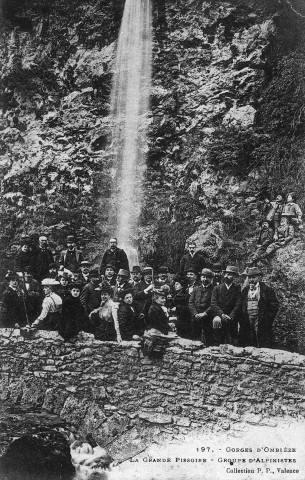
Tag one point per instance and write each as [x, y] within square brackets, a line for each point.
[201, 302]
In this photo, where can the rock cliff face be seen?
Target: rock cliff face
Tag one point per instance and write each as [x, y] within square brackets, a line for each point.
[227, 129]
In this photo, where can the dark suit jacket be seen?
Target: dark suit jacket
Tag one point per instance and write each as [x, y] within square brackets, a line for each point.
[117, 258]
[90, 298]
[197, 262]
[127, 321]
[200, 300]
[71, 262]
[157, 319]
[268, 306]
[226, 301]
[41, 262]
[13, 310]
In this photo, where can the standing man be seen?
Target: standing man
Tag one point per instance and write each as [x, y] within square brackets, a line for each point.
[114, 256]
[122, 283]
[109, 275]
[200, 307]
[143, 292]
[71, 258]
[191, 279]
[192, 260]
[85, 269]
[225, 305]
[91, 294]
[259, 306]
[42, 257]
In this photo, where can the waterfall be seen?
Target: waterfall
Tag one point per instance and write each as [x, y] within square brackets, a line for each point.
[129, 111]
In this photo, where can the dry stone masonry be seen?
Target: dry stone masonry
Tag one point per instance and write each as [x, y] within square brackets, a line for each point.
[110, 389]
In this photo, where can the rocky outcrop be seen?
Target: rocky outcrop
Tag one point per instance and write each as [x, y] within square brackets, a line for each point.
[226, 129]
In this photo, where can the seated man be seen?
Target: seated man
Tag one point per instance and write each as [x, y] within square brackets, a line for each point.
[51, 307]
[122, 283]
[265, 239]
[136, 275]
[292, 210]
[200, 307]
[225, 304]
[283, 235]
[143, 292]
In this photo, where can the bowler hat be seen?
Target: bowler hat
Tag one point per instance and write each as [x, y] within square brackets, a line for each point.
[217, 268]
[136, 269]
[94, 273]
[191, 269]
[49, 282]
[123, 273]
[254, 271]
[70, 239]
[207, 272]
[52, 265]
[231, 269]
[163, 270]
[85, 262]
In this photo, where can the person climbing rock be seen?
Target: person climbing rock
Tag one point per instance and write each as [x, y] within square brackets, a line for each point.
[283, 235]
[272, 211]
[292, 210]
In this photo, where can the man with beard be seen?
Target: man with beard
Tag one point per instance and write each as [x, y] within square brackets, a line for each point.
[109, 275]
[200, 307]
[73, 318]
[259, 307]
[85, 269]
[136, 275]
[71, 258]
[192, 260]
[265, 239]
[216, 274]
[191, 279]
[52, 271]
[114, 256]
[225, 305]
[122, 283]
[13, 303]
[143, 295]
[91, 294]
[42, 258]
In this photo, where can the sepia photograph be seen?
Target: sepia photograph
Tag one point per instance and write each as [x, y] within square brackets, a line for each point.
[152, 266]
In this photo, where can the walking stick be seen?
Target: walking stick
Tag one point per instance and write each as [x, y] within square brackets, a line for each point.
[24, 303]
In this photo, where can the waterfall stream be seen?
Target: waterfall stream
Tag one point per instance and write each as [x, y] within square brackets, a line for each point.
[129, 111]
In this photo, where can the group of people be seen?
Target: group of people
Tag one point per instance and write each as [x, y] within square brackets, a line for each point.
[201, 302]
[278, 227]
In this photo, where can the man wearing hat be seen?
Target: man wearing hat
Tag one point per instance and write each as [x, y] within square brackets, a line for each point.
[91, 295]
[122, 283]
[225, 305]
[216, 274]
[32, 294]
[114, 256]
[200, 306]
[85, 269]
[192, 260]
[191, 279]
[143, 294]
[13, 303]
[109, 275]
[51, 307]
[71, 258]
[136, 275]
[42, 257]
[259, 307]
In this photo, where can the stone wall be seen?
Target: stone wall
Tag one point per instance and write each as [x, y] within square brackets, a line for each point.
[112, 391]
